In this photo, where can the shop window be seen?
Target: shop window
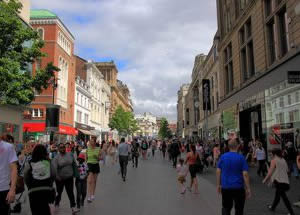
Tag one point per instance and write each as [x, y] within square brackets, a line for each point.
[280, 118]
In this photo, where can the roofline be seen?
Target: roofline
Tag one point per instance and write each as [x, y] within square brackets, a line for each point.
[55, 18]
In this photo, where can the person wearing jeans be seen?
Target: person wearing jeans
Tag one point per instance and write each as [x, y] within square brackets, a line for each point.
[63, 165]
[123, 149]
[233, 180]
[8, 166]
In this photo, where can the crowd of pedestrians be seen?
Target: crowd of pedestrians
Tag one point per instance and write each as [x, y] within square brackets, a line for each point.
[48, 169]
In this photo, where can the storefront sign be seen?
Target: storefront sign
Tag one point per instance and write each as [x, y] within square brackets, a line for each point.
[294, 77]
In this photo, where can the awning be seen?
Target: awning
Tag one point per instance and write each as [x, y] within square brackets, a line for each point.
[86, 132]
[67, 130]
[41, 127]
[95, 133]
[34, 127]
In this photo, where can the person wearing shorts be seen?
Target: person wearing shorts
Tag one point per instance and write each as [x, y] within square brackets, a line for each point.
[191, 161]
[93, 155]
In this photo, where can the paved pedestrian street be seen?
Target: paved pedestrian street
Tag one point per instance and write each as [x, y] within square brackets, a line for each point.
[152, 189]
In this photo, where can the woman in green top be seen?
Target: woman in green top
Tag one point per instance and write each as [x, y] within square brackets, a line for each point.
[93, 156]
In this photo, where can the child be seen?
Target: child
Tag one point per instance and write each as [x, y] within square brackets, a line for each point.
[182, 171]
[81, 182]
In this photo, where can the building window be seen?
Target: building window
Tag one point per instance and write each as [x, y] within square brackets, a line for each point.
[277, 30]
[296, 115]
[280, 118]
[291, 116]
[86, 119]
[297, 97]
[229, 84]
[41, 33]
[78, 116]
[246, 50]
[289, 99]
[38, 112]
[281, 102]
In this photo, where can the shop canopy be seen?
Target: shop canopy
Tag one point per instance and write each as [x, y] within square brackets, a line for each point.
[86, 132]
[41, 127]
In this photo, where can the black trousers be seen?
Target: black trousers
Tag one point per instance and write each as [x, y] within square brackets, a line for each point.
[281, 189]
[164, 153]
[4, 207]
[135, 160]
[262, 167]
[39, 203]
[233, 196]
[81, 188]
[69, 185]
[123, 164]
[174, 159]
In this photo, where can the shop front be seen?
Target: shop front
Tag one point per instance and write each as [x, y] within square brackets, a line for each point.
[37, 132]
[11, 121]
[267, 109]
[84, 132]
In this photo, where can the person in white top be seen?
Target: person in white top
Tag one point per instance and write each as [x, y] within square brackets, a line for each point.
[182, 171]
[278, 173]
[8, 175]
[260, 155]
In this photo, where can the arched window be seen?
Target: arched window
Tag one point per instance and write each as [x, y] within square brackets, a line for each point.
[41, 33]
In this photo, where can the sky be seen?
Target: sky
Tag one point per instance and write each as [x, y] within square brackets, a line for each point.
[153, 42]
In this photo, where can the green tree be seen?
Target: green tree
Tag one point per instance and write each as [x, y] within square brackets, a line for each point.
[20, 47]
[123, 122]
[164, 131]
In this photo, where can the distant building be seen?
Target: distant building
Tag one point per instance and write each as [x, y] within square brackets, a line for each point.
[181, 110]
[120, 94]
[147, 125]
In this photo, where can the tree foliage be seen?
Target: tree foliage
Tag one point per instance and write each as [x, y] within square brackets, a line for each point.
[164, 131]
[20, 47]
[123, 122]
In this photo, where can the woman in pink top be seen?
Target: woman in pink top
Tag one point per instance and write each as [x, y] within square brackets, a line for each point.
[191, 160]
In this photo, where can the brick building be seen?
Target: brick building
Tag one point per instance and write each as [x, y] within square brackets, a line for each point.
[259, 48]
[59, 47]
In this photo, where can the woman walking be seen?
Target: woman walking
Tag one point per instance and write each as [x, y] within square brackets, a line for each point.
[39, 177]
[93, 155]
[278, 173]
[112, 151]
[261, 158]
[64, 165]
[164, 148]
[191, 160]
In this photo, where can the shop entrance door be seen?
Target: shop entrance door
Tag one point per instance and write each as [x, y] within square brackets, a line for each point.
[251, 123]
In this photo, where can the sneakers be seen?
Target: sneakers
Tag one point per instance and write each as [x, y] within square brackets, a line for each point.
[75, 210]
[89, 200]
[92, 197]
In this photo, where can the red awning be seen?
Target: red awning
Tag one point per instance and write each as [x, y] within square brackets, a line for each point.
[34, 127]
[41, 127]
[67, 130]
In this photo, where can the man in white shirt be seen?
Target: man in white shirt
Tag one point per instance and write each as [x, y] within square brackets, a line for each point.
[8, 175]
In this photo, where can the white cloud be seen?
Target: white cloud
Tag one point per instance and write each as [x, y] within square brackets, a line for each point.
[158, 38]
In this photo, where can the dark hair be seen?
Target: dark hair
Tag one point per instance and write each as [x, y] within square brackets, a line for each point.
[122, 139]
[39, 153]
[277, 152]
[193, 148]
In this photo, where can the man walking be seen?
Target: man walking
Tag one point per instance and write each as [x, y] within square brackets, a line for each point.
[8, 176]
[123, 149]
[233, 180]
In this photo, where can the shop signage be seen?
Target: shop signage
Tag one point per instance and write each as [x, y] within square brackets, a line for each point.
[82, 126]
[294, 77]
